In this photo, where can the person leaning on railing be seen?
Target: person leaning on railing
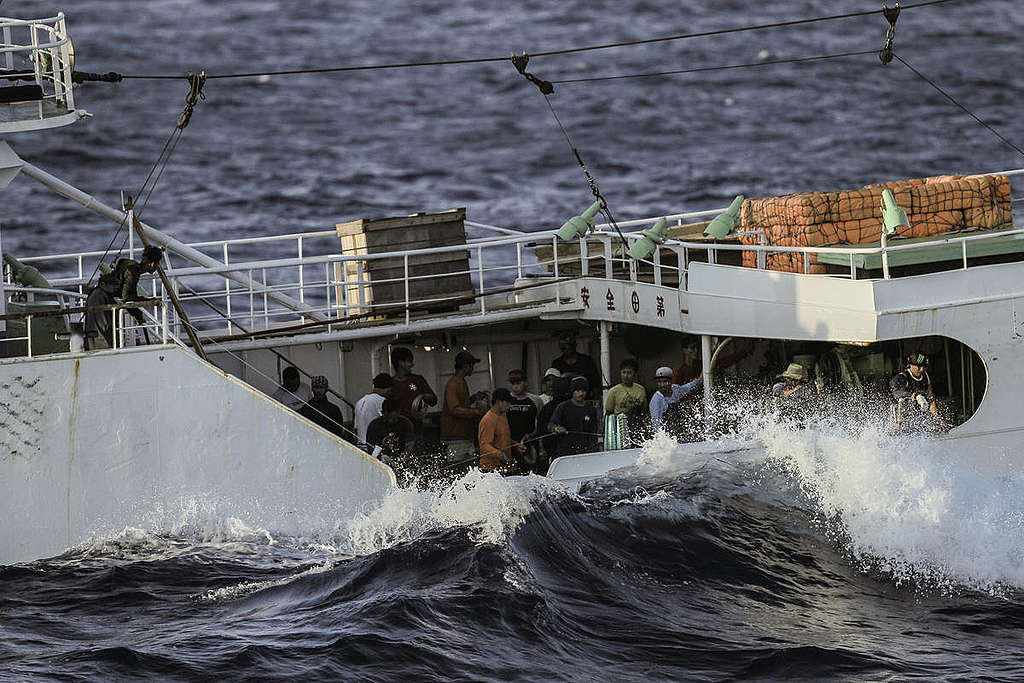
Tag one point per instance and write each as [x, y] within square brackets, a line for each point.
[120, 283]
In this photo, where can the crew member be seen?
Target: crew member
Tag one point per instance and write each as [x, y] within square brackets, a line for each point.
[576, 422]
[411, 392]
[667, 394]
[393, 433]
[574, 364]
[914, 397]
[320, 410]
[120, 283]
[458, 416]
[368, 408]
[497, 449]
[793, 394]
[522, 420]
[550, 375]
[293, 392]
[628, 398]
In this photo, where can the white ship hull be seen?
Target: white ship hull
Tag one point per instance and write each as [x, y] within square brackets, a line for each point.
[93, 443]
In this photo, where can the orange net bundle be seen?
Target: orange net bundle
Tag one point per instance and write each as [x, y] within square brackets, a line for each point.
[934, 206]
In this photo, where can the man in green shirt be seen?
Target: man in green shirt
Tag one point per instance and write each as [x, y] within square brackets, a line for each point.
[628, 396]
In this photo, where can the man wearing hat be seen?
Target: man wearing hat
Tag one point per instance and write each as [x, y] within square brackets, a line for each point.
[368, 408]
[795, 396]
[914, 396]
[320, 410]
[576, 422]
[410, 391]
[667, 394]
[522, 412]
[792, 383]
[550, 375]
[498, 450]
[458, 416]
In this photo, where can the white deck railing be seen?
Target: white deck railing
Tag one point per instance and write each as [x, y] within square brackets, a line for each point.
[37, 51]
[500, 269]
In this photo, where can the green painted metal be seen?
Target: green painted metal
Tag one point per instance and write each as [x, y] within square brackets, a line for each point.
[993, 246]
[578, 226]
[893, 216]
[726, 222]
[652, 237]
[26, 276]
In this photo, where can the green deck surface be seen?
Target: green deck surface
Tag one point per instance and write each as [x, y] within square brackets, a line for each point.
[992, 246]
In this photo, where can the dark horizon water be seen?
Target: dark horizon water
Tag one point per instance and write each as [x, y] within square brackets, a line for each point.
[826, 555]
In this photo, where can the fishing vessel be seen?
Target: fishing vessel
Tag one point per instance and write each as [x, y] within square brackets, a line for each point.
[88, 435]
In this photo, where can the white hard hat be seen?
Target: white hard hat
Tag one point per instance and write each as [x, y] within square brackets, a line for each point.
[552, 372]
[664, 371]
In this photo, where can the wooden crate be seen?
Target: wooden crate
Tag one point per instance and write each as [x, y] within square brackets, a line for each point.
[449, 272]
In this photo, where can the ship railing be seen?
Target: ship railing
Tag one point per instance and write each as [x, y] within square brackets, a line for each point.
[62, 321]
[500, 269]
[38, 51]
[346, 288]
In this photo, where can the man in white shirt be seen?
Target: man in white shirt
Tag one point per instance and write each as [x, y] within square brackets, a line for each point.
[368, 408]
[667, 394]
[293, 392]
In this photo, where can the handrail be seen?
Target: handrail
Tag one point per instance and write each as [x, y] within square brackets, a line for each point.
[43, 290]
[8, 21]
[141, 303]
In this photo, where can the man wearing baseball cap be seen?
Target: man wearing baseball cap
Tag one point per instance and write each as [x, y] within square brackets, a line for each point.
[368, 408]
[320, 410]
[498, 450]
[914, 396]
[459, 417]
[522, 417]
[667, 394]
[550, 375]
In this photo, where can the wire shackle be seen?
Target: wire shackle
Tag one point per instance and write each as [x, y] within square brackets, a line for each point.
[891, 14]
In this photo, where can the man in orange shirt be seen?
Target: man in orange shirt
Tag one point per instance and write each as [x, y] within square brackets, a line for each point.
[458, 416]
[497, 449]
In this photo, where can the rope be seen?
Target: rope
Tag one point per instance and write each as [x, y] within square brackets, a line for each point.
[958, 104]
[194, 94]
[714, 68]
[549, 53]
[546, 89]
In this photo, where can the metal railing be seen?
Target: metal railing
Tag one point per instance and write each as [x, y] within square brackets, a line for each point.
[350, 288]
[123, 333]
[39, 51]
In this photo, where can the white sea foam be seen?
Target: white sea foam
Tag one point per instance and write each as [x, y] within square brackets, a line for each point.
[913, 507]
[491, 506]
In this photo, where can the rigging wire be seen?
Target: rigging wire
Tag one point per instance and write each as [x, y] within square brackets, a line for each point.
[124, 220]
[958, 104]
[715, 68]
[195, 93]
[550, 53]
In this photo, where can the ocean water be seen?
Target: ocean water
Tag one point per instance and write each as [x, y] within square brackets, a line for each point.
[819, 554]
[832, 552]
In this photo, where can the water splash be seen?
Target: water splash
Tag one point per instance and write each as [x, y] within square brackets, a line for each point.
[914, 508]
[490, 506]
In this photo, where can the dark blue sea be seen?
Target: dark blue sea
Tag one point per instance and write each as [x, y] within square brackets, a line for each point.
[824, 553]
